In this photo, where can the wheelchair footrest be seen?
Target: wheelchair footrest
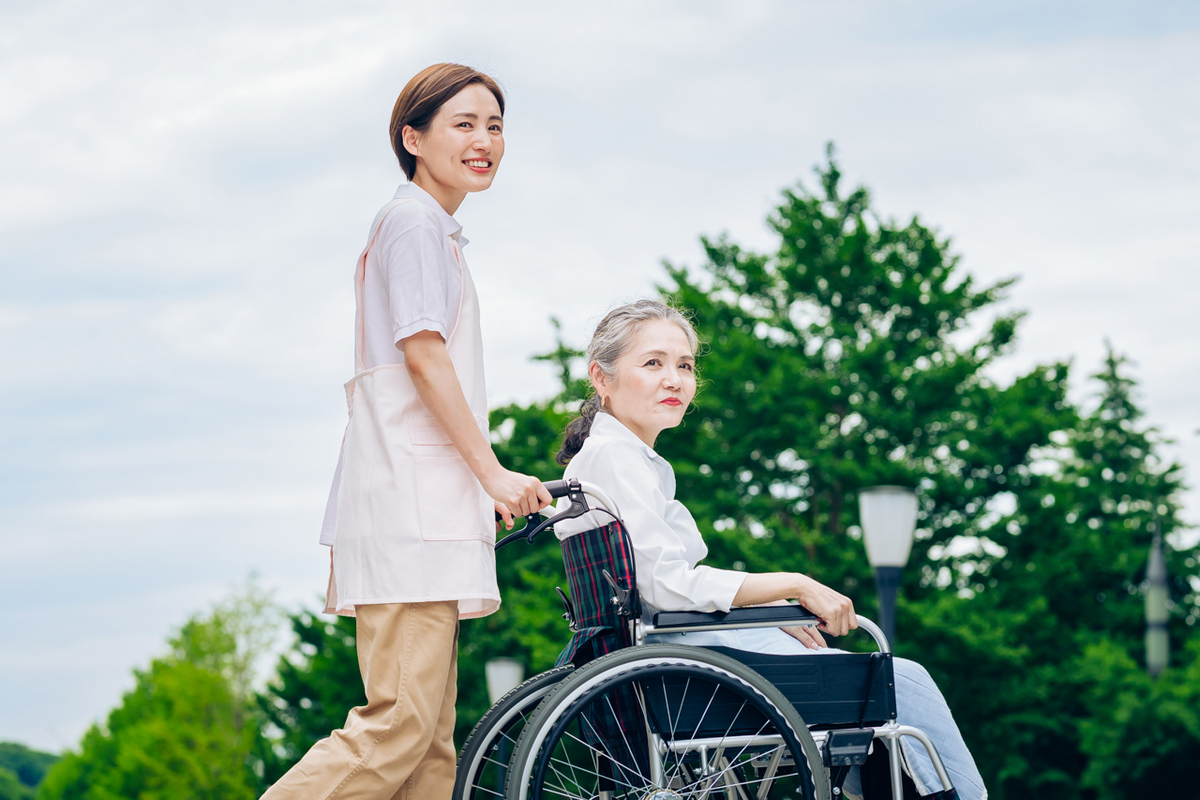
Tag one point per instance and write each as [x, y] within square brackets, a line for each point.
[847, 748]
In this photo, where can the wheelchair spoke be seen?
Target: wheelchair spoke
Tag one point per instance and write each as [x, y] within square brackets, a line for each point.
[699, 723]
[569, 765]
[602, 754]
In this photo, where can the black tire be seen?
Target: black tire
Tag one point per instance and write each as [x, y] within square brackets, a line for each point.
[482, 765]
[754, 737]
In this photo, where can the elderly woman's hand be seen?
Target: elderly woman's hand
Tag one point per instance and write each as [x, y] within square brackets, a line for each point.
[834, 608]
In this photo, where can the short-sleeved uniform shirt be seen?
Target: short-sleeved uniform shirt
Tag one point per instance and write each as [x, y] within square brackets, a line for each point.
[411, 283]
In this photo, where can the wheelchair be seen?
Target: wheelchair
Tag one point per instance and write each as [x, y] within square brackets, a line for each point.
[621, 718]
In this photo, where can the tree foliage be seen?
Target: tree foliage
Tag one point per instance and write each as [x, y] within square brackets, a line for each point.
[316, 683]
[188, 729]
[21, 770]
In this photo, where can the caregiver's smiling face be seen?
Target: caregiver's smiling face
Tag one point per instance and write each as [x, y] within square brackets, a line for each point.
[461, 150]
[654, 382]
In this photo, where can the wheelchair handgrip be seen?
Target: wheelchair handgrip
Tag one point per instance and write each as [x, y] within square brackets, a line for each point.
[556, 489]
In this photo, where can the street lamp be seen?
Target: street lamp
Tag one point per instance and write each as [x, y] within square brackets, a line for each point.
[889, 520]
[503, 674]
[1157, 643]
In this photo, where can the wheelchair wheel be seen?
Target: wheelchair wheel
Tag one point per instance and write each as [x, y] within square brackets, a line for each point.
[483, 763]
[666, 722]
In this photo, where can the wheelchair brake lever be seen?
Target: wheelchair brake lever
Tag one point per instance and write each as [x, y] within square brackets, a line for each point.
[568, 610]
[621, 597]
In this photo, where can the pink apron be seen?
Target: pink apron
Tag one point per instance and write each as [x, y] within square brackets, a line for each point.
[412, 524]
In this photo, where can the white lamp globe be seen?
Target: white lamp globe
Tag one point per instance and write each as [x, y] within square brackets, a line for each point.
[502, 674]
[889, 520]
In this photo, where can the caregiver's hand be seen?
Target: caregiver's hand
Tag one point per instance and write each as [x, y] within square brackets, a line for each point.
[834, 608]
[516, 495]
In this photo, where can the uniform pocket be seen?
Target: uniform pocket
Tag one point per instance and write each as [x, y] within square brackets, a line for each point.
[450, 502]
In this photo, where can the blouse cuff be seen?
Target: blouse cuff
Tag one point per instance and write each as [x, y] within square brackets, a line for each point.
[723, 584]
[418, 325]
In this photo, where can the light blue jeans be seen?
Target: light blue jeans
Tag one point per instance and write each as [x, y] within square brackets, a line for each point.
[919, 703]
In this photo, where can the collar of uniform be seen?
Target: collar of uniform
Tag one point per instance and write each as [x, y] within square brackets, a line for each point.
[449, 224]
[606, 424]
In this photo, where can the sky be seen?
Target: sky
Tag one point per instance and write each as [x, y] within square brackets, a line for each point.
[184, 190]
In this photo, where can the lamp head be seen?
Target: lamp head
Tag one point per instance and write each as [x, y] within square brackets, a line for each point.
[502, 674]
[889, 520]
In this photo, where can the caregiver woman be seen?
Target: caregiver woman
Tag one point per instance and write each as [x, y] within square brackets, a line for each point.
[642, 365]
[410, 517]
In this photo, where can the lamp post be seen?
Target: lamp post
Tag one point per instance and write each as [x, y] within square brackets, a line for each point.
[889, 520]
[503, 675]
[1157, 644]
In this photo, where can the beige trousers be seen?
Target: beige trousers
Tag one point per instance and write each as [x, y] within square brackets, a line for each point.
[400, 745]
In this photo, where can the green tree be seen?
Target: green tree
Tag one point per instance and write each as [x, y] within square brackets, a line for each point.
[1065, 573]
[189, 727]
[316, 683]
[21, 770]
[11, 787]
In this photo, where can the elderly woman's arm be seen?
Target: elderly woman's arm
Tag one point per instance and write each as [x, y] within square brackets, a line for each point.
[835, 609]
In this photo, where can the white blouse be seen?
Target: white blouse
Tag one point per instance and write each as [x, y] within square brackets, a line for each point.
[666, 542]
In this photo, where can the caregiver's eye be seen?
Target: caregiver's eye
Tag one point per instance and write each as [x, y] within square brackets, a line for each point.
[687, 365]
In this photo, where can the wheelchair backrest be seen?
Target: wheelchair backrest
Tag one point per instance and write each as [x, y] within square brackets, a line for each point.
[601, 625]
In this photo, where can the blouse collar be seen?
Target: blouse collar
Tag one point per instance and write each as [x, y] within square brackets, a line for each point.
[606, 424]
[448, 224]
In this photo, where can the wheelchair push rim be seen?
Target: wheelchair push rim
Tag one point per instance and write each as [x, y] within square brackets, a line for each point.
[665, 722]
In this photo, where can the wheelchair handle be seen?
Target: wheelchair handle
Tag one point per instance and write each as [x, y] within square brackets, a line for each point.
[580, 492]
[876, 633]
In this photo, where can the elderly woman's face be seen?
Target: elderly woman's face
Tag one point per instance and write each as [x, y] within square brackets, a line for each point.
[654, 383]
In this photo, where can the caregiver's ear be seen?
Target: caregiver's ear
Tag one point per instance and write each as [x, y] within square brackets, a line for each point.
[410, 137]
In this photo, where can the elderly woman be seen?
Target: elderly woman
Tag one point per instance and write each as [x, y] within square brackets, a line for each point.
[642, 365]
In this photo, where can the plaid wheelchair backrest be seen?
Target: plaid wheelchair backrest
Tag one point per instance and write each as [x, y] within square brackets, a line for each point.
[600, 627]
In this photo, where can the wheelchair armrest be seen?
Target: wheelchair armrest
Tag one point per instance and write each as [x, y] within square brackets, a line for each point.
[749, 617]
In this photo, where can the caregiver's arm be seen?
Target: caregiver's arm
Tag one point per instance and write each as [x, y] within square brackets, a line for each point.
[437, 385]
[835, 609]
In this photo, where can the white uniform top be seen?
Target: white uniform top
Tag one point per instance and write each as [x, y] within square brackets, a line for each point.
[407, 519]
[667, 545]
[410, 283]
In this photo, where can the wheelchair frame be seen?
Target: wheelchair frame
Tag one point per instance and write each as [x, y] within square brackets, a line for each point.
[832, 749]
